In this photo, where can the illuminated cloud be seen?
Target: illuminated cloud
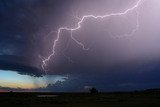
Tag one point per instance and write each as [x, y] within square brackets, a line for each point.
[79, 24]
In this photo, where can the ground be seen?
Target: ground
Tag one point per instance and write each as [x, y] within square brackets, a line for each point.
[118, 99]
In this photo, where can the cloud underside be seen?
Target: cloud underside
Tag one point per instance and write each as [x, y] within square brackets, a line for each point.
[17, 64]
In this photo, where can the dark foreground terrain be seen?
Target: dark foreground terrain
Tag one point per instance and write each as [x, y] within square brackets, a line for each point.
[121, 99]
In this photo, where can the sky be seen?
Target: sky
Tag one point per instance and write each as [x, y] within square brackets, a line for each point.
[122, 53]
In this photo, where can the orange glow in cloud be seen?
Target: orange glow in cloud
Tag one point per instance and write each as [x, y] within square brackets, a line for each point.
[14, 80]
[3, 90]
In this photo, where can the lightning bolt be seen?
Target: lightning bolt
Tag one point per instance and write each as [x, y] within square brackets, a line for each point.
[81, 20]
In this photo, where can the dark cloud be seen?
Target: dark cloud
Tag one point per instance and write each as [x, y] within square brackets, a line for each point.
[19, 64]
[27, 32]
[127, 76]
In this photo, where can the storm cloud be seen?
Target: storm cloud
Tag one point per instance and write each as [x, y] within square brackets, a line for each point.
[28, 29]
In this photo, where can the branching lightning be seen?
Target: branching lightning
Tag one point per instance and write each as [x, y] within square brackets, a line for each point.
[81, 20]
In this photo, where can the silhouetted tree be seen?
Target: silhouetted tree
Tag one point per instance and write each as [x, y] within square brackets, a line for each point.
[93, 91]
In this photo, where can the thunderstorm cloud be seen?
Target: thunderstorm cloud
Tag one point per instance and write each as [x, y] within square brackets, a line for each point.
[117, 59]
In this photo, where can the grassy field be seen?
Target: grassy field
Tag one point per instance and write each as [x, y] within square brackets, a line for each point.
[125, 99]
